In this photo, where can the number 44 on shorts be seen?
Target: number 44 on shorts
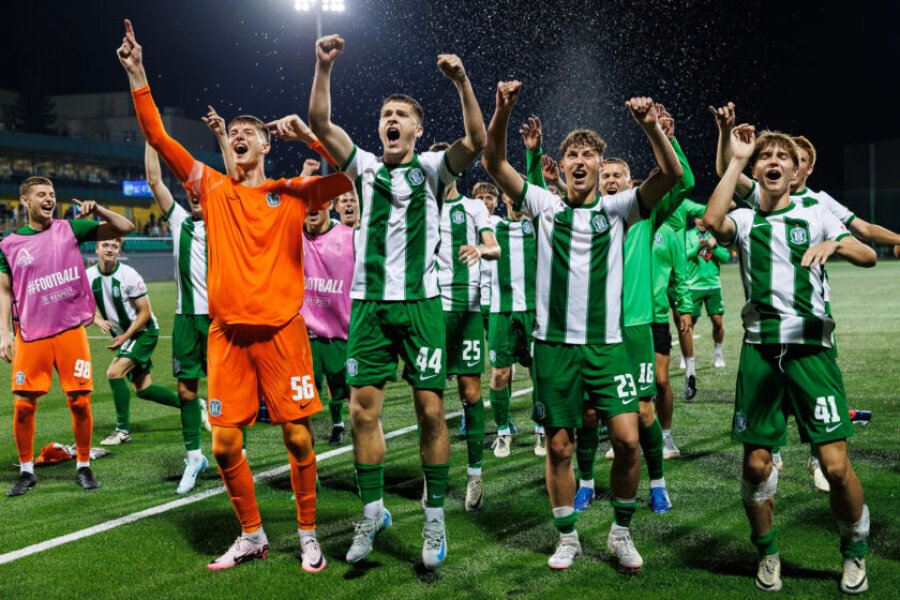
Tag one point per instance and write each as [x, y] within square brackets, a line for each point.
[423, 363]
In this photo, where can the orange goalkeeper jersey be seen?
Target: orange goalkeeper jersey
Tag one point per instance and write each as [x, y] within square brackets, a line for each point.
[254, 234]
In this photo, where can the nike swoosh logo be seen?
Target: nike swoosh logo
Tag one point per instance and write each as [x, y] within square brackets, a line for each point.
[830, 429]
[625, 402]
[760, 224]
[472, 364]
[384, 181]
[422, 378]
[436, 497]
[302, 406]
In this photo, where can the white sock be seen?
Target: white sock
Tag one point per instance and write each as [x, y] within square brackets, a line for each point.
[257, 537]
[655, 483]
[689, 364]
[373, 510]
[667, 433]
[539, 429]
[504, 431]
[302, 533]
[79, 464]
[27, 467]
[588, 483]
[718, 350]
[473, 471]
[338, 425]
[434, 514]
[563, 511]
[194, 455]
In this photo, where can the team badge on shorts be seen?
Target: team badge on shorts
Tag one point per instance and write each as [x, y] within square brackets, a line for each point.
[352, 367]
[492, 355]
[415, 177]
[215, 408]
[527, 228]
[273, 199]
[458, 217]
[740, 422]
[176, 366]
[799, 236]
[599, 223]
[540, 411]
[20, 377]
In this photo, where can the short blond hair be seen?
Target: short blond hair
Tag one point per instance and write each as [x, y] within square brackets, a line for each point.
[257, 124]
[804, 144]
[775, 139]
[583, 137]
[483, 187]
[31, 182]
[617, 161]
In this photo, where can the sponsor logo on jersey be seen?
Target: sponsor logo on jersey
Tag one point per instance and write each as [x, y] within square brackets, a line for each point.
[273, 199]
[799, 236]
[352, 367]
[740, 422]
[42, 284]
[215, 408]
[458, 217]
[415, 176]
[24, 258]
[324, 285]
[527, 228]
[20, 377]
[599, 223]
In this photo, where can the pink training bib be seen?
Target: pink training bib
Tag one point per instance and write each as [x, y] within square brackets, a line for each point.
[328, 267]
[50, 287]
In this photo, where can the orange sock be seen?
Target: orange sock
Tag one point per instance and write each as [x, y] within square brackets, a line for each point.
[23, 428]
[303, 480]
[82, 424]
[242, 493]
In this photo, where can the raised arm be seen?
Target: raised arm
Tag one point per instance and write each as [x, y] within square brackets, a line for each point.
[655, 187]
[216, 124]
[715, 217]
[114, 224]
[292, 129]
[7, 344]
[466, 149]
[534, 164]
[336, 141]
[161, 193]
[130, 55]
[874, 234]
[725, 121]
[494, 158]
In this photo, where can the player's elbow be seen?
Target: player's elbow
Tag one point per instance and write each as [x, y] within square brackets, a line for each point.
[867, 257]
[125, 228]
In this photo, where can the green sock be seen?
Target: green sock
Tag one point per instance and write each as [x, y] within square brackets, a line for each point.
[336, 407]
[475, 417]
[370, 479]
[652, 445]
[436, 477]
[623, 511]
[586, 442]
[122, 400]
[500, 407]
[565, 524]
[765, 544]
[191, 423]
[160, 395]
[854, 549]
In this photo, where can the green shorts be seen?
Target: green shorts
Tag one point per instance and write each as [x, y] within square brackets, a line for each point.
[329, 358]
[465, 342]
[777, 380]
[510, 339]
[189, 346]
[139, 348]
[639, 345]
[712, 298]
[380, 332]
[568, 376]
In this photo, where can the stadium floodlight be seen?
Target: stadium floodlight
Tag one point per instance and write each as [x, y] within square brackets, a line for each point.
[323, 5]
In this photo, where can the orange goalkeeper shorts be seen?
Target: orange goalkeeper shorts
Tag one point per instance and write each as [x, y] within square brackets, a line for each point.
[33, 362]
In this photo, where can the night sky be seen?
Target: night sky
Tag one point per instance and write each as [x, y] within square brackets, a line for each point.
[803, 68]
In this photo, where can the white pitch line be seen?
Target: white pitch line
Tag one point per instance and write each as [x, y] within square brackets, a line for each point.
[156, 510]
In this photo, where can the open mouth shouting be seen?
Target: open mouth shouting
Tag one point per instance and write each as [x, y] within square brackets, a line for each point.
[393, 136]
[240, 148]
[579, 176]
[773, 175]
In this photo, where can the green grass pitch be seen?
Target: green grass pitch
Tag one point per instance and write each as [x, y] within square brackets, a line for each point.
[698, 550]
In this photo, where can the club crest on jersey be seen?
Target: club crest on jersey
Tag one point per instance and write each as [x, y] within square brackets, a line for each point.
[458, 217]
[527, 228]
[116, 292]
[352, 367]
[657, 239]
[24, 258]
[415, 176]
[799, 236]
[740, 422]
[599, 223]
[20, 377]
[273, 199]
[215, 408]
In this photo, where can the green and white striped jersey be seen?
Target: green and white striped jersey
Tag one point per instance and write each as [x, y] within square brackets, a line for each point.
[512, 275]
[485, 283]
[400, 212]
[189, 248]
[807, 197]
[786, 303]
[462, 222]
[579, 265]
[115, 294]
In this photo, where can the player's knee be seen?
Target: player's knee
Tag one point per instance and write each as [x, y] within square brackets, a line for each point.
[226, 445]
[79, 405]
[589, 418]
[757, 467]
[756, 494]
[560, 449]
[626, 444]
[837, 471]
[363, 418]
[24, 411]
[500, 377]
